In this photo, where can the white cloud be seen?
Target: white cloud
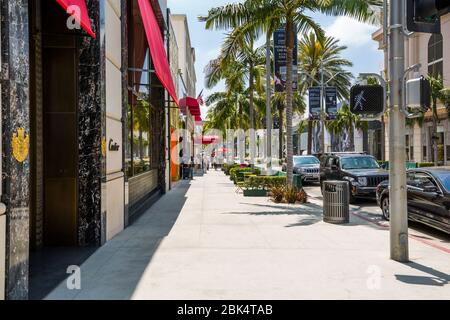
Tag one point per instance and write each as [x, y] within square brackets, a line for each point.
[351, 32]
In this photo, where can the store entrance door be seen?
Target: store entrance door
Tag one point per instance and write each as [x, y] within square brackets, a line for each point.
[54, 118]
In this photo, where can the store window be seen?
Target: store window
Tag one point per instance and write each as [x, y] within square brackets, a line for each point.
[435, 56]
[143, 128]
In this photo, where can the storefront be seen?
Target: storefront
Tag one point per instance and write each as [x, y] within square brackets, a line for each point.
[151, 93]
[84, 125]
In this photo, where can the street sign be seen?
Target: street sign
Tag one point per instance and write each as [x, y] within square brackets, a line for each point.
[367, 101]
[314, 103]
[331, 102]
[279, 39]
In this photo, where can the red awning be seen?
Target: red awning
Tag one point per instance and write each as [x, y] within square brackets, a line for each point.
[156, 44]
[189, 102]
[195, 111]
[198, 119]
[78, 10]
[207, 139]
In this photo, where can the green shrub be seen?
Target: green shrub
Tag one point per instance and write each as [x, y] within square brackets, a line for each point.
[425, 164]
[290, 195]
[228, 167]
[302, 197]
[266, 182]
[277, 194]
[237, 174]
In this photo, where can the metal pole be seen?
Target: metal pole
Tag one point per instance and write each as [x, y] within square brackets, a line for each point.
[268, 108]
[322, 109]
[397, 157]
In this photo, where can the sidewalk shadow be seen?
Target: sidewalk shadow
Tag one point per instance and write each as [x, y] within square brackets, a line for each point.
[436, 278]
[309, 213]
[114, 271]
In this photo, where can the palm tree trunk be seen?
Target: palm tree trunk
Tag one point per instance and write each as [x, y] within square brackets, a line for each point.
[268, 105]
[241, 136]
[280, 132]
[352, 138]
[434, 138]
[141, 145]
[289, 95]
[252, 116]
[310, 132]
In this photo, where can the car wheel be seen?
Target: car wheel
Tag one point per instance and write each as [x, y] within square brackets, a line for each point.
[351, 198]
[385, 208]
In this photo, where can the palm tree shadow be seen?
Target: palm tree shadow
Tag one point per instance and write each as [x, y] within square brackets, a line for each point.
[436, 278]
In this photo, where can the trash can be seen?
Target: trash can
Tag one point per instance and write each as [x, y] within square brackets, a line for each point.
[336, 202]
[297, 182]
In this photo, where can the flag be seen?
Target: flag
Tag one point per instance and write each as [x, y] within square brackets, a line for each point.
[200, 99]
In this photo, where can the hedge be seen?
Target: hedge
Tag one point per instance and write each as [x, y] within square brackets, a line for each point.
[265, 182]
[228, 167]
[425, 164]
[238, 173]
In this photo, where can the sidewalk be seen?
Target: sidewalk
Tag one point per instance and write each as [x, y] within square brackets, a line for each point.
[203, 241]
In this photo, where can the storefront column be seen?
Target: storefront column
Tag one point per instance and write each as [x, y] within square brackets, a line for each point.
[15, 143]
[92, 131]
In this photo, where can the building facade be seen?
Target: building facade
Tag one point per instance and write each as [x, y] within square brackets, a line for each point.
[187, 80]
[86, 116]
[433, 53]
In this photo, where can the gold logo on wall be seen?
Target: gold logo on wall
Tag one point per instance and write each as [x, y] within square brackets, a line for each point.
[104, 146]
[20, 145]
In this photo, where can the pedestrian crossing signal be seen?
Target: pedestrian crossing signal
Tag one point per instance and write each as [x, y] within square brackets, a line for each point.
[367, 101]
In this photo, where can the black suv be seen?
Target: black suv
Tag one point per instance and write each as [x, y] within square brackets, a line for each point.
[361, 171]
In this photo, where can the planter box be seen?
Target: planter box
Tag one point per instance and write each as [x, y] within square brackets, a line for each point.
[255, 193]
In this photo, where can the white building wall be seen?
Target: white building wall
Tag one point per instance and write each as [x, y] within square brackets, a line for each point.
[416, 51]
[114, 163]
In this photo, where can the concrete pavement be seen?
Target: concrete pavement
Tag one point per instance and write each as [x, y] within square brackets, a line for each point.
[204, 241]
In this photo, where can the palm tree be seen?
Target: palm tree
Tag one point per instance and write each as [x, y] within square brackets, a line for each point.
[437, 94]
[323, 55]
[262, 15]
[279, 104]
[347, 121]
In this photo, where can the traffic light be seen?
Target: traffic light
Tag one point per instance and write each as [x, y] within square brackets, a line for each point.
[367, 101]
[425, 15]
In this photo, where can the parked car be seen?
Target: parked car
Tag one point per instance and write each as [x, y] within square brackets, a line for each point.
[362, 171]
[428, 197]
[308, 167]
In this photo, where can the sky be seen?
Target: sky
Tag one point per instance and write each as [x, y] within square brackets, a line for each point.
[362, 50]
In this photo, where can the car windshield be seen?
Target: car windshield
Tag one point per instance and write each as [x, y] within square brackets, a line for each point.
[445, 180]
[301, 161]
[359, 163]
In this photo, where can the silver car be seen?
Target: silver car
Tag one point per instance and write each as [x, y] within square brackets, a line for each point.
[308, 167]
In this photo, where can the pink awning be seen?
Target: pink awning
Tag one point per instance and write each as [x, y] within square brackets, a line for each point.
[156, 44]
[79, 12]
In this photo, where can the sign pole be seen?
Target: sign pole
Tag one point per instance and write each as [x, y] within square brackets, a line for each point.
[322, 109]
[397, 158]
